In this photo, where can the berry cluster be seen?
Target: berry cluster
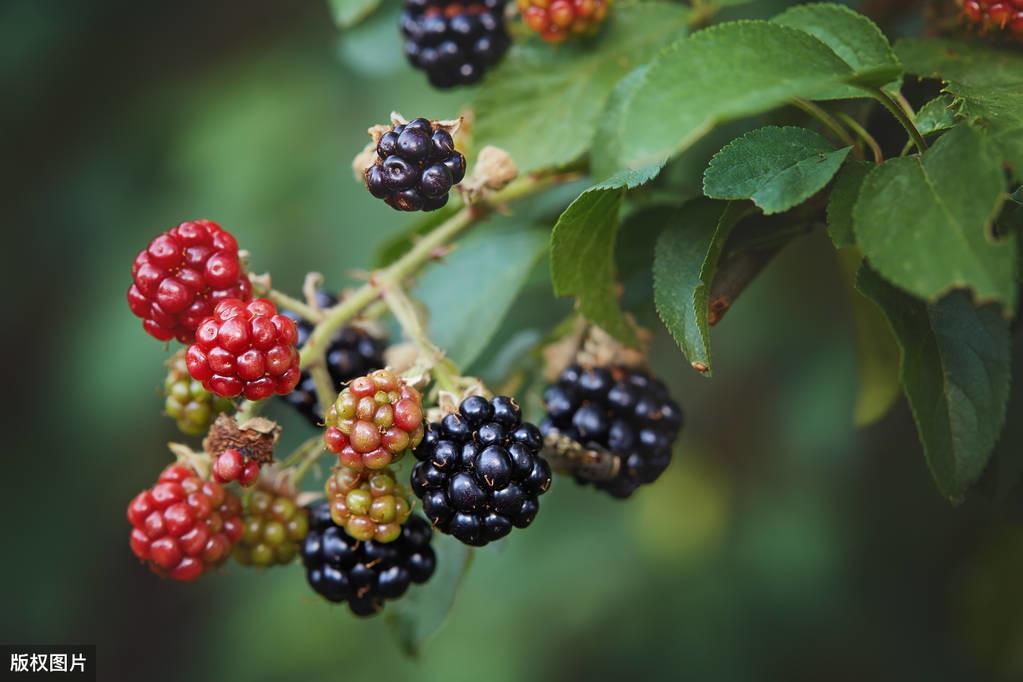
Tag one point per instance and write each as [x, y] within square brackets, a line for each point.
[351, 353]
[184, 526]
[232, 465]
[274, 528]
[622, 410]
[416, 167]
[555, 20]
[374, 421]
[369, 505]
[180, 276]
[454, 42]
[480, 471]
[187, 402]
[998, 15]
[364, 574]
[245, 349]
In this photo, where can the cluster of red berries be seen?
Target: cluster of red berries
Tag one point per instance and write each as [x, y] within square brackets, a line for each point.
[245, 349]
[232, 465]
[180, 276]
[183, 526]
[375, 420]
[555, 20]
[997, 15]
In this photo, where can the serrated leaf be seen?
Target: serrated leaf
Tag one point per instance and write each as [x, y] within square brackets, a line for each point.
[582, 251]
[986, 82]
[493, 264]
[842, 200]
[937, 115]
[685, 263]
[777, 168]
[420, 614]
[348, 13]
[542, 104]
[924, 223]
[877, 353]
[722, 73]
[853, 37]
[955, 373]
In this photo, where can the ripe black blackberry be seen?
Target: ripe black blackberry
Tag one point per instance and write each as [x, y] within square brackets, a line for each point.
[480, 471]
[454, 42]
[364, 574]
[352, 353]
[624, 411]
[416, 167]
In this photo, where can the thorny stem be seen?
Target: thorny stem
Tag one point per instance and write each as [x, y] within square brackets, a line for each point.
[900, 115]
[829, 122]
[282, 300]
[421, 252]
[855, 126]
[404, 311]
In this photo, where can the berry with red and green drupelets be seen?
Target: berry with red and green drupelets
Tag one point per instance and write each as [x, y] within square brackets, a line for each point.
[245, 349]
[352, 352]
[622, 410]
[368, 504]
[556, 20]
[179, 278]
[183, 526]
[232, 465]
[416, 167]
[187, 402]
[994, 15]
[374, 421]
[364, 574]
[480, 472]
[454, 43]
[274, 528]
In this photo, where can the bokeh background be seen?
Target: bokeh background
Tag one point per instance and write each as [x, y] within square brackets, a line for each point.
[781, 544]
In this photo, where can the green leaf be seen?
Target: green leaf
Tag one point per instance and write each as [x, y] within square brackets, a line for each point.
[685, 263]
[777, 168]
[955, 372]
[420, 614]
[582, 251]
[542, 104]
[987, 85]
[853, 37]
[877, 353]
[348, 13]
[395, 247]
[924, 223]
[843, 197]
[722, 73]
[606, 151]
[493, 264]
[937, 115]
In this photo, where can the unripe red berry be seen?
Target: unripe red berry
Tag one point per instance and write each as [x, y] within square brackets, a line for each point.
[180, 276]
[556, 20]
[245, 349]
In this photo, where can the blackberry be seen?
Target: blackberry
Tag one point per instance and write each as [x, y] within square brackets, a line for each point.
[454, 42]
[480, 471]
[187, 402]
[351, 353]
[273, 528]
[416, 167]
[364, 574]
[622, 410]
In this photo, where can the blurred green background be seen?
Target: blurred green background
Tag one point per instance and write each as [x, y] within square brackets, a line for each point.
[781, 544]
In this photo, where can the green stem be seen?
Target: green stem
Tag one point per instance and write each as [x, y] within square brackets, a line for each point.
[299, 453]
[421, 252]
[282, 300]
[326, 392]
[309, 458]
[404, 310]
[828, 121]
[248, 409]
[855, 126]
[900, 115]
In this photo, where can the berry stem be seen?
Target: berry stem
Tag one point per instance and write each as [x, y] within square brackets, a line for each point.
[326, 392]
[404, 310]
[311, 451]
[304, 310]
[830, 123]
[421, 252]
[864, 135]
[900, 115]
